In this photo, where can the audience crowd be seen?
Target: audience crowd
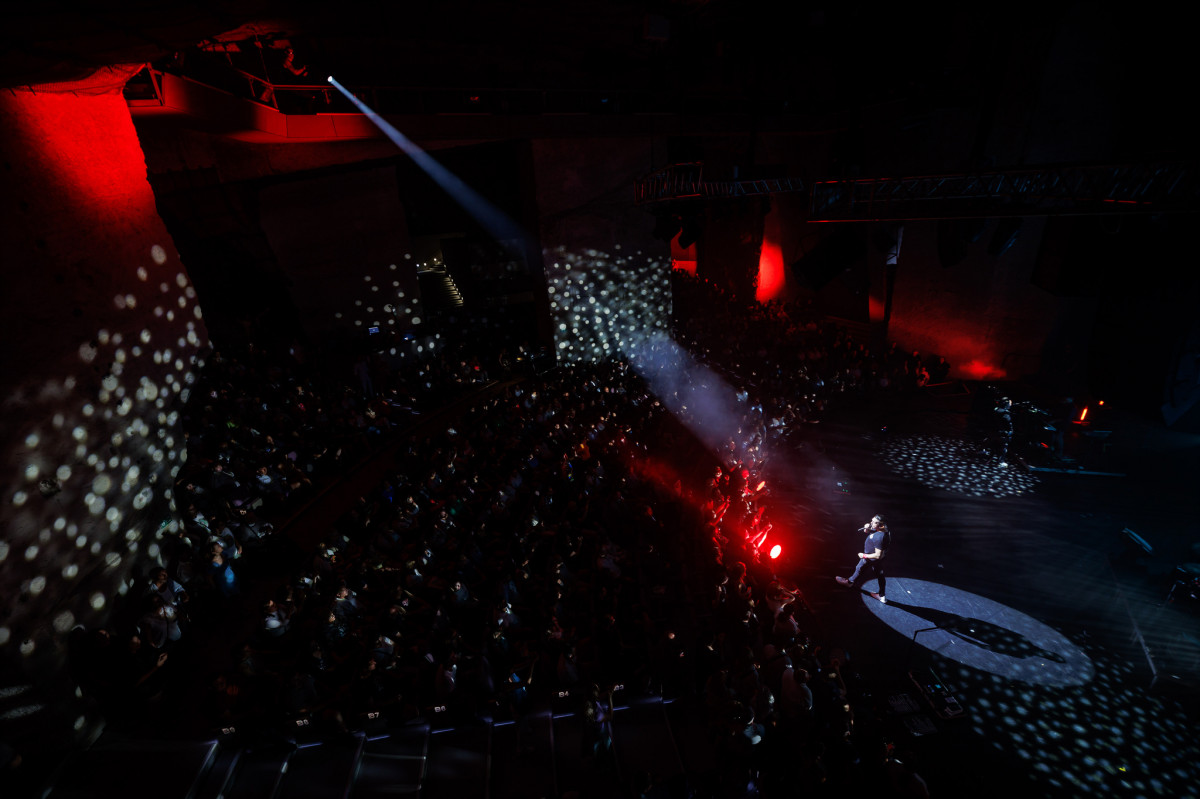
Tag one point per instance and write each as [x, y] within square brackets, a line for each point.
[559, 541]
[793, 363]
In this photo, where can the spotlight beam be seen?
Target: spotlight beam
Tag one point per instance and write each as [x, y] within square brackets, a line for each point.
[504, 230]
[694, 393]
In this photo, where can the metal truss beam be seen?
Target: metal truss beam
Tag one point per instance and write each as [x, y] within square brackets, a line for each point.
[1108, 189]
[686, 181]
[1025, 192]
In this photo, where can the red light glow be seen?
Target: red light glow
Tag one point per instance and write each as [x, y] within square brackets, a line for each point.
[981, 370]
[658, 472]
[775, 550]
[683, 257]
[965, 341]
[770, 261]
[51, 129]
[1083, 413]
[875, 309]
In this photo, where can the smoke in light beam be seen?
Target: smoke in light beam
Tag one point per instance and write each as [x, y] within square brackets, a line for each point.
[504, 230]
[697, 395]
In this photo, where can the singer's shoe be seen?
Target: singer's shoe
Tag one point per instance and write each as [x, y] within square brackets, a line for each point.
[842, 581]
[880, 597]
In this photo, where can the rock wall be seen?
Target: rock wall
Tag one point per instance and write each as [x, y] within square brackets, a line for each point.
[100, 331]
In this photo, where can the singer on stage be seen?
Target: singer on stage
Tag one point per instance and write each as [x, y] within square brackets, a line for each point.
[870, 560]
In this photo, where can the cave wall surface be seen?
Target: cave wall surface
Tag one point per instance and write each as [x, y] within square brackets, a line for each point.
[101, 331]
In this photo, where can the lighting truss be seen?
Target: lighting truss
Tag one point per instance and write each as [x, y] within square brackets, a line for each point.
[1045, 191]
[685, 181]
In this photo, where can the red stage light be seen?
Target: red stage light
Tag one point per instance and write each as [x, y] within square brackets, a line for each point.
[775, 550]
[1083, 414]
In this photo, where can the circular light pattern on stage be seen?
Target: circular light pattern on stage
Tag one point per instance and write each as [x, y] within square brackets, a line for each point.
[980, 633]
[1073, 712]
[954, 465]
[1111, 737]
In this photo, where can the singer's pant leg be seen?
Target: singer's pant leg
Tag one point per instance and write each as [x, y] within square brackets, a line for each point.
[858, 570]
[872, 568]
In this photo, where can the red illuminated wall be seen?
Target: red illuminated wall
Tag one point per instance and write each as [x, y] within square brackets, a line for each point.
[770, 260]
[683, 258]
[99, 329]
[983, 313]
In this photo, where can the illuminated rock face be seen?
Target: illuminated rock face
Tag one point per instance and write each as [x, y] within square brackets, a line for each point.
[101, 332]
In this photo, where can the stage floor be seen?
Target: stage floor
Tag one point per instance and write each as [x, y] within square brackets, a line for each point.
[1012, 591]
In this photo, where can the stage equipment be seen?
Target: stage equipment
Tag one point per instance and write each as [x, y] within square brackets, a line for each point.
[937, 694]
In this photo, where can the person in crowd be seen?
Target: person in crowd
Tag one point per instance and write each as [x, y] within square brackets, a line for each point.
[159, 625]
[597, 740]
[275, 620]
[171, 592]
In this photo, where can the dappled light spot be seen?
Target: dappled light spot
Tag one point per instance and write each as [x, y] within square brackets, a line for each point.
[955, 465]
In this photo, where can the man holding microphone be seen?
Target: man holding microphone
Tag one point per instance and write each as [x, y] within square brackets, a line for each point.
[870, 559]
